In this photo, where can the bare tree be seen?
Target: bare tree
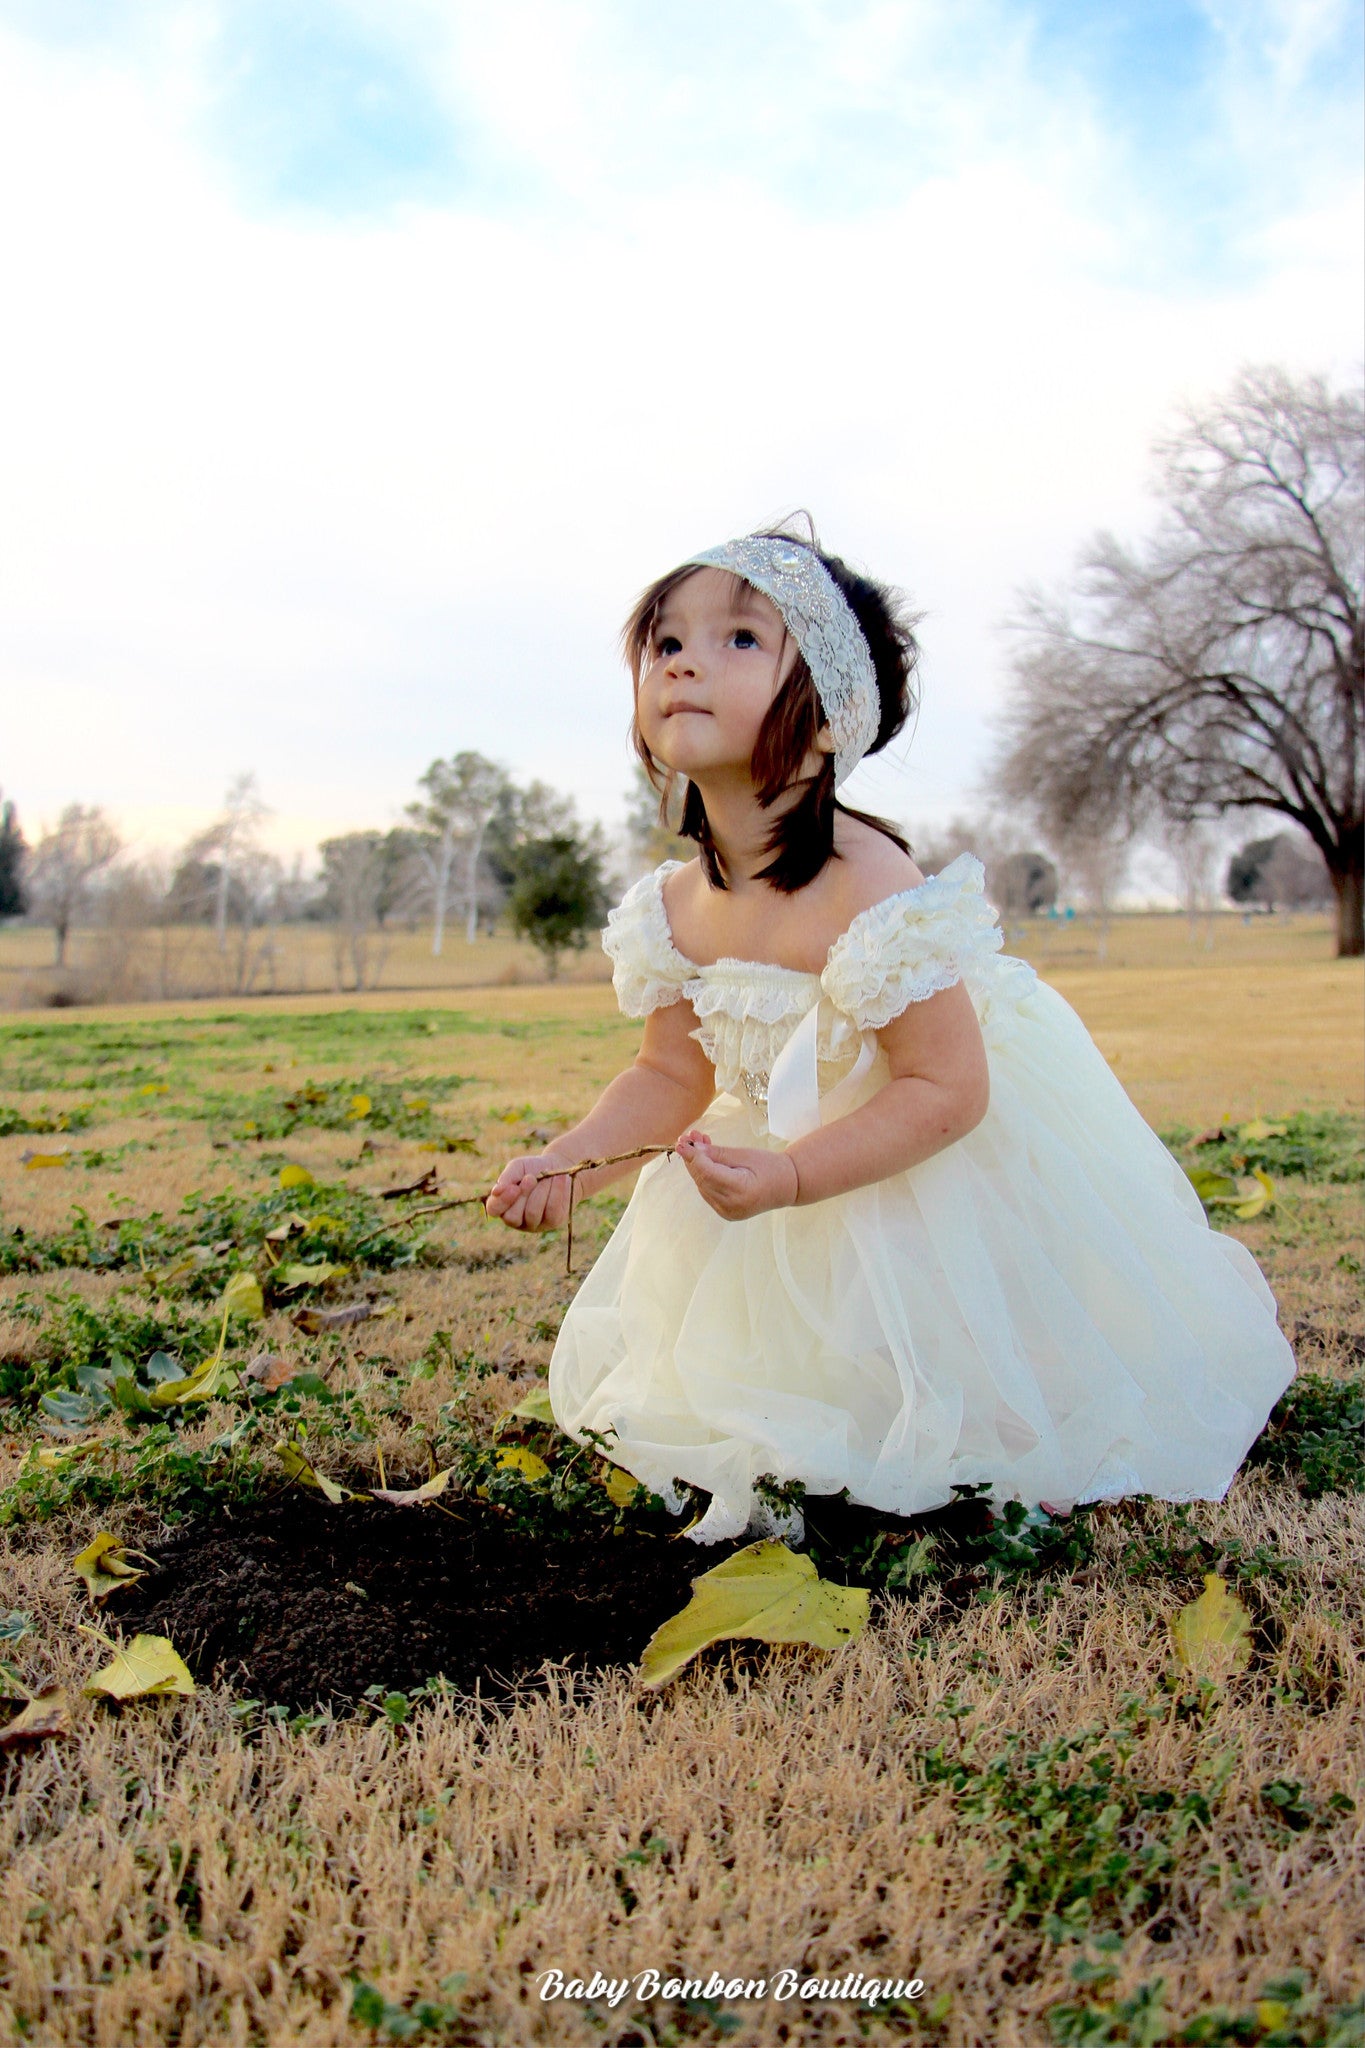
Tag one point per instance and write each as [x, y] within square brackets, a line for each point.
[353, 873]
[63, 865]
[937, 845]
[1095, 860]
[256, 880]
[652, 820]
[461, 798]
[227, 846]
[1195, 851]
[1221, 666]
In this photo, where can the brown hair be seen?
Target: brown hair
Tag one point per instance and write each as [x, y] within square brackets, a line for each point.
[802, 838]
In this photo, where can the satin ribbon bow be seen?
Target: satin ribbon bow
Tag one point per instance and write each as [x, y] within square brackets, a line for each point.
[795, 1106]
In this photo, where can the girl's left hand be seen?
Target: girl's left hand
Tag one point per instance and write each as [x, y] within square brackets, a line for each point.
[737, 1181]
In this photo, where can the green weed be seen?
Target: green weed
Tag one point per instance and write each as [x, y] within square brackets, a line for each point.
[1286, 2014]
[1077, 1841]
[84, 1349]
[18, 1123]
[1172, 1548]
[350, 1105]
[1324, 1144]
[1316, 1436]
[369, 2008]
[194, 1251]
[863, 1547]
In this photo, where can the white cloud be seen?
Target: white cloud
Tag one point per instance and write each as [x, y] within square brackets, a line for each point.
[326, 498]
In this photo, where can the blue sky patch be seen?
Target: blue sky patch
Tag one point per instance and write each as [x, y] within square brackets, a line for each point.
[314, 111]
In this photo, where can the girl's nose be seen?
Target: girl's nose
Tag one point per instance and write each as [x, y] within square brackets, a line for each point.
[683, 663]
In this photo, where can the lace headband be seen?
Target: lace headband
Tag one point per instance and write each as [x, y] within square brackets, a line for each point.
[821, 621]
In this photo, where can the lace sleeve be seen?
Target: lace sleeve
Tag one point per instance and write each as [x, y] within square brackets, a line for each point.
[912, 945]
[647, 969]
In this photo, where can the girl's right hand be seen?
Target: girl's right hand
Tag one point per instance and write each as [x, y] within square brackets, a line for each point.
[525, 1202]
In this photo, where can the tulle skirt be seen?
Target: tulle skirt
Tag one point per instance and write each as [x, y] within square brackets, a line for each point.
[1041, 1308]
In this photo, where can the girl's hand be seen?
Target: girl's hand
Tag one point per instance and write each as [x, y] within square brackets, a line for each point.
[526, 1203]
[736, 1181]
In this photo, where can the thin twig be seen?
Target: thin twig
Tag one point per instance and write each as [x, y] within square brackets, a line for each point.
[427, 1185]
[549, 1173]
[431, 1209]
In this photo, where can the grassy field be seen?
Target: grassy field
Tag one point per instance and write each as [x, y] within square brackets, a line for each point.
[1007, 1788]
[179, 963]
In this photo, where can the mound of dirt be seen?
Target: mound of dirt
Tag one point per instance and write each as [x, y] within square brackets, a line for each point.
[301, 1603]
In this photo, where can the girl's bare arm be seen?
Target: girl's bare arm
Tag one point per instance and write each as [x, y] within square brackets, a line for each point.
[938, 1091]
[667, 1087]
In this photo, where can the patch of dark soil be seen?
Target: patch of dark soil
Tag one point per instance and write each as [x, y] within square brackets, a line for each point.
[301, 1603]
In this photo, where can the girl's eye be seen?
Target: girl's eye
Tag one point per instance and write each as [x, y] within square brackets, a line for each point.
[744, 637]
[667, 643]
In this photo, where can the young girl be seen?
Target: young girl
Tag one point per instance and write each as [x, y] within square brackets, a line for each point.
[913, 1233]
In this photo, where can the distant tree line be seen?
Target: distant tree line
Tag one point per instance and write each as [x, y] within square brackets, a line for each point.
[1214, 671]
[474, 845]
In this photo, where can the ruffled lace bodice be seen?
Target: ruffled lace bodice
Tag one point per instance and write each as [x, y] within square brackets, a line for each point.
[899, 951]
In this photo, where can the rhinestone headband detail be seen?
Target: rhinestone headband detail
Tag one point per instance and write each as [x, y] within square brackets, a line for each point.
[823, 624]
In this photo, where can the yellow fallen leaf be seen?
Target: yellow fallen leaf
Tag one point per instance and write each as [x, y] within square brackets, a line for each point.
[360, 1106]
[292, 1176]
[1257, 1190]
[34, 1160]
[52, 1457]
[104, 1566]
[1246, 1196]
[527, 1463]
[1258, 1130]
[284, 1230]
[535, 1408]
[154, 1088]
[1272, 2013]
[411, 1497]
[208, 1382]
[170, 1276]
[299, 1469]
[47, 1713]
[622, 1486]
[1212, 1186]
[515, 1459]
[147, 1668]
[306, 1273]
[766, 1592]
[242, 1296]
[416, 1103]
[1212, 1634]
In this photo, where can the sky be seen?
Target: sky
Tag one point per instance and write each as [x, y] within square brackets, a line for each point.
[361, 359]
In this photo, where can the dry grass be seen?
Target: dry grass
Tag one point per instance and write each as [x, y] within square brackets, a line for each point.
[181, 1873]
[182, 962]
[796, 1831]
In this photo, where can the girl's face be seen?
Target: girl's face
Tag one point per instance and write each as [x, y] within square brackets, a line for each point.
[720, 655]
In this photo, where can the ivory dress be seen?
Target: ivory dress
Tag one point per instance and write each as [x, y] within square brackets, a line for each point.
[1041, 1307]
